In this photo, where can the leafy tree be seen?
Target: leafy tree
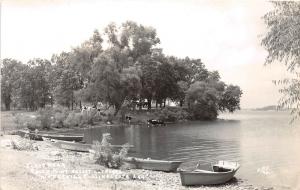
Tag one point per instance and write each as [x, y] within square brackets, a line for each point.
[182, 88]
[282, 43]
[83, 57]
[41, 69]
[202, 101]
[148, 78]
[139, 39]
[230, 99]
[166, 83]
[11, 73]
[196, 70]
[68, 79]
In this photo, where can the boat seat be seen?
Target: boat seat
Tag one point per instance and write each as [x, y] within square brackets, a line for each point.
[220, 169]
[203, 171]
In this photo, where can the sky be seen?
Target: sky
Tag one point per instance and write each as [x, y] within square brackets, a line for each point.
[224, 34]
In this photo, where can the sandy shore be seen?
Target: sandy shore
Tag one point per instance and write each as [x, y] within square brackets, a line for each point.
[51, 168]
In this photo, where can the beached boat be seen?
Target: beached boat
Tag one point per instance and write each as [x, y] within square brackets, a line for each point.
[39, 136]
[31, 135]
[150, 164]
[73, 146]
[64, 137]
[80, 147]
[219, 173]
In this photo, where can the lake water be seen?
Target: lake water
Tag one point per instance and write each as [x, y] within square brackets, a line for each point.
[265, 144]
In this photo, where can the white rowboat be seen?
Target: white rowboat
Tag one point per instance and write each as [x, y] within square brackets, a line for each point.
[219, 173]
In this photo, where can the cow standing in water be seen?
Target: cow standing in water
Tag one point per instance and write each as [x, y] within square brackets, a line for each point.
[128, 118]
[155, 122]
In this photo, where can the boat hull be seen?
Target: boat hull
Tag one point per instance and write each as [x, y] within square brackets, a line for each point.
[205, 178]
[156, 165]
[76, 138]
[219, 173]
[39, 136]
[78, 147]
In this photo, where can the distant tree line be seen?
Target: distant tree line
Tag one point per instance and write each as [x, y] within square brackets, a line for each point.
[131, 68]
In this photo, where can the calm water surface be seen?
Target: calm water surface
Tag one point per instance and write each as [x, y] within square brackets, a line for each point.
[264, 143]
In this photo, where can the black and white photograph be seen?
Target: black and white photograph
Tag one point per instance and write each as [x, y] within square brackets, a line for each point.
[150, 94]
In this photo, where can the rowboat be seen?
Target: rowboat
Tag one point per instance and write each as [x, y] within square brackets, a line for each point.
[219, 173]
[64, 137]
[38, 136]
[73, 146]
[80, 146]
[32, 136]
[150, 164]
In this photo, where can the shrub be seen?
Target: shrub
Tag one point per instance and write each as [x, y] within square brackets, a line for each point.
[88, 117]
[84, 118]
[59, 116]
[172, 114]
[26, 121]
[73, 120]
[23, 144]
[105, 155]
[46, 116]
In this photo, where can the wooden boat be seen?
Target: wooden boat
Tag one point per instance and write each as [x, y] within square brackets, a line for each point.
[79, 147]
[219, 173]
[150, 164]
[38, 136]
[73, 146]
[31, 135]
[64, 137]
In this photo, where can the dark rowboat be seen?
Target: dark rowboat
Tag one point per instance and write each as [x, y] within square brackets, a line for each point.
[39, 136]
[219, 173]
[150, 164]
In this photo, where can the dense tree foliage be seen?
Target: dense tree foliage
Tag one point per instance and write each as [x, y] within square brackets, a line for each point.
[130, 70]
[282, 43]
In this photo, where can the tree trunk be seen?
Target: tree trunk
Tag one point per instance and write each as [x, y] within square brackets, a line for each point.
[149, 103]
[72, 101]
[140, 104]
[164, 103]
[181, 103]
[7, 106]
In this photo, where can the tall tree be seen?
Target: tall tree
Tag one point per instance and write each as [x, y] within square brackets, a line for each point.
[230, 99]
[11, 71]
[68, 79]
[202, 101]
[40, 83]
[282, 43]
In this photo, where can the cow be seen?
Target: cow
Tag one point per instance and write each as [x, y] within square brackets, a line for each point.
[128, 118]
[155, 122]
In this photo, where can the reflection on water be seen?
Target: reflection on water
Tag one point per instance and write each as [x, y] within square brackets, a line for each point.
[263, 142]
